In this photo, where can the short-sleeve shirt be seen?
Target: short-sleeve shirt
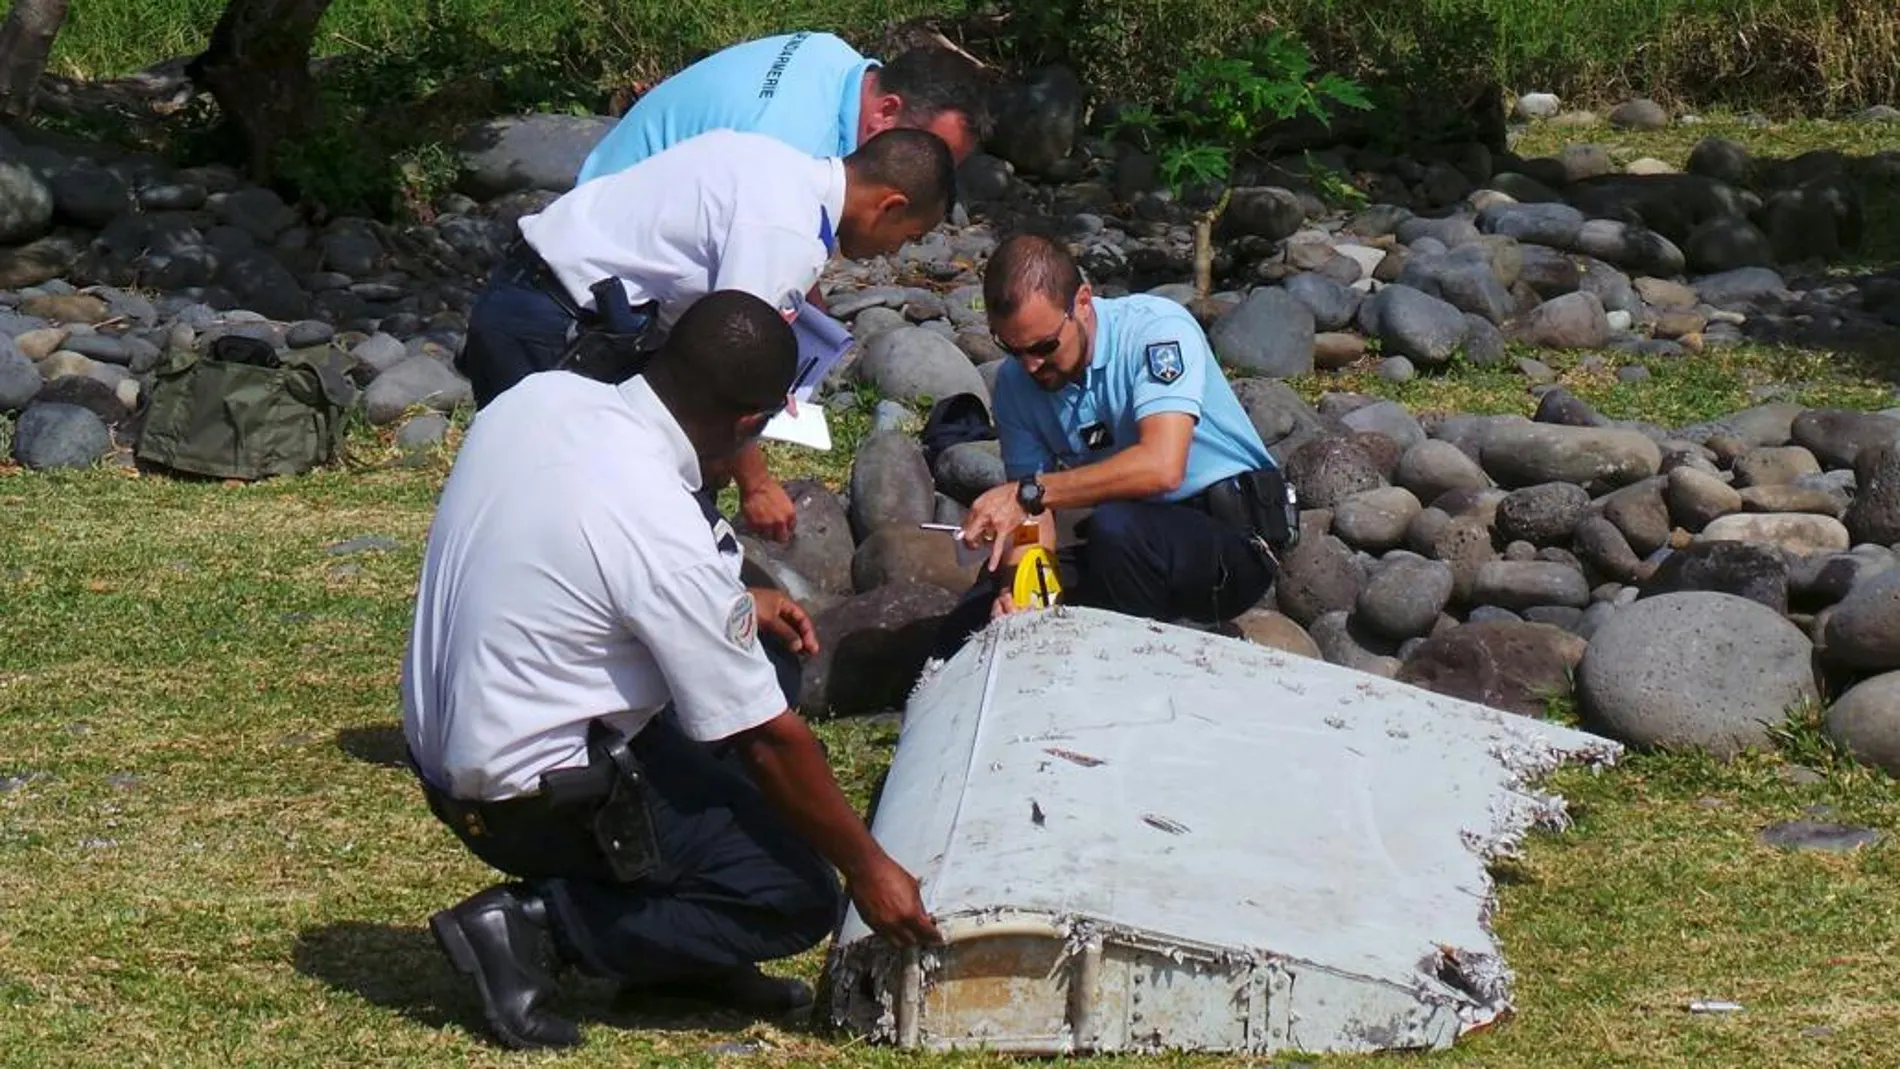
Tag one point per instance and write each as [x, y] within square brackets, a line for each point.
[801, 88]
[724, 210]
[1150, 356]
[546, 601]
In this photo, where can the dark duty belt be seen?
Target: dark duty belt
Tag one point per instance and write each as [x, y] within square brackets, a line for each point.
[522, 257]
[562, 790]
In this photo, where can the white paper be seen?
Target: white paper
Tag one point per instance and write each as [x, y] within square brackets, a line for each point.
[822, 342]
[809, 428]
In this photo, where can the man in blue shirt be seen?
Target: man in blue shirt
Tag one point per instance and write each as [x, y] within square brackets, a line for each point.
[809, 90]
[1117, 405]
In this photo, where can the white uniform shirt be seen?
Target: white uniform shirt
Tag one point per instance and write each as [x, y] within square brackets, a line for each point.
[722, 211]
[570, 574]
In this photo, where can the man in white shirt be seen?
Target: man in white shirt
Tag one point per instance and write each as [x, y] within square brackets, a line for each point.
[724, 210]
[591, 699]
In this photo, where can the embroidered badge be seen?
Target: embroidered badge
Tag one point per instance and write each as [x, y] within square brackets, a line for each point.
[1164, 361]
[788, 305]
[742, 623]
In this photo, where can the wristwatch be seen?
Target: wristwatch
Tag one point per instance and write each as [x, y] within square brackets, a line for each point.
[1029, 494]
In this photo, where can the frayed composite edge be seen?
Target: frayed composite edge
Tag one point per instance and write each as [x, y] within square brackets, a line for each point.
[1517, 810]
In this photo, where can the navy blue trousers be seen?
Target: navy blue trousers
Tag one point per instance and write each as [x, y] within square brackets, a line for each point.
[1143, 558]
[515, 329]
[736, 885]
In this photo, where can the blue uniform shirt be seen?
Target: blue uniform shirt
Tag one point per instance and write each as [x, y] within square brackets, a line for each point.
[1150, 357]
[801, 88]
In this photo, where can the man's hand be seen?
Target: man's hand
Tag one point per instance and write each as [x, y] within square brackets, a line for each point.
[1004, 604]
[785, 620]
[892, 903]
[768, 509]
[994, 518]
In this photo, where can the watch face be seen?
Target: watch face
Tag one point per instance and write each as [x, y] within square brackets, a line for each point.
[1029, 495]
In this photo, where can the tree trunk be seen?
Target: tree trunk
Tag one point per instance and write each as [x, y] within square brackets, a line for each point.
[1204, 246]
[25, 41]
[257, 67]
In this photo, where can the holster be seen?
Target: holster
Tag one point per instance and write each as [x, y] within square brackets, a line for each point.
[613, 343]
[1260, 501]
[614, 785]
[1275, 506]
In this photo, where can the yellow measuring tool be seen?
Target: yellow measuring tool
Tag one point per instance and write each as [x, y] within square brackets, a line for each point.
[1037, 585]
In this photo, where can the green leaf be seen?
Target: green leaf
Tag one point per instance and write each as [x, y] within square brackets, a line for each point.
[1343, 91]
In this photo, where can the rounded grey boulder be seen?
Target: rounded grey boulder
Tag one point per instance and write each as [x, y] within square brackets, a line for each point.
[1270, 333]
[1404, 599]
[1434, 468]
[821, 546]
[1863, 631]
[915, 364]
[967, 469]
[1525, 454]
[1875, 514]
[20, 380]
[1866, 721]
[1520, 585]
[1543, 514]
[890, 484]
[417, 380]
[52, 435]
[1697, 670]
[1333, 305]
[26, 204]
[1375, 520]
[1415, 324]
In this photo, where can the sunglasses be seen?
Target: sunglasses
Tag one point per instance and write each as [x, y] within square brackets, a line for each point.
[1043, 348]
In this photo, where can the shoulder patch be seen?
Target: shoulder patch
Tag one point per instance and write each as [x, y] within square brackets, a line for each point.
[1164, 361]
[788, 305]
[742, 622]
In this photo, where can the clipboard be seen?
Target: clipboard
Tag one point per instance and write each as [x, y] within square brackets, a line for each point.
[822, 343]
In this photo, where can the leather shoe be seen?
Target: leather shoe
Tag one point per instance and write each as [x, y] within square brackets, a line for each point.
[742, 988]
[501, 939]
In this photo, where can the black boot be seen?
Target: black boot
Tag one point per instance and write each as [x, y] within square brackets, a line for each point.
[502, 939]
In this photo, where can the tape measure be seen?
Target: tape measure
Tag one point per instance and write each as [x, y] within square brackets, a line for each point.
[1037, 585]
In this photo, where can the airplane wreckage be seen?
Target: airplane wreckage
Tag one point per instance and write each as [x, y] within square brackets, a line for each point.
[1141, 837]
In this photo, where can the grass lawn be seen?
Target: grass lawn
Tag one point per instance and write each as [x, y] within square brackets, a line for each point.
[210, 855]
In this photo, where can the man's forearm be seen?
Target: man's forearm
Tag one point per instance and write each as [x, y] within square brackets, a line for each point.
[1130, 475]
[785, 761]
[748, 468]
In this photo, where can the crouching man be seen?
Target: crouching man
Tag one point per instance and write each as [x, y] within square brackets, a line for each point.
[1116, 405]
[596, 706]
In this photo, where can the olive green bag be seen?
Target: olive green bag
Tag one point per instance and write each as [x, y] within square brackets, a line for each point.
[238, 411]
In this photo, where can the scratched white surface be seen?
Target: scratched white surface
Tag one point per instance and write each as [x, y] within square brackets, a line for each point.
[1089, 765]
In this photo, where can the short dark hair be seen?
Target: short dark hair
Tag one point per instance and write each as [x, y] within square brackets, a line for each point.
[729, 354]
[932, 80]
[1025, 263]
[916, 163]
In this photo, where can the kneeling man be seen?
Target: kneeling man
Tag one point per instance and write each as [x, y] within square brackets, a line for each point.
[598, 708]
[1117, 405]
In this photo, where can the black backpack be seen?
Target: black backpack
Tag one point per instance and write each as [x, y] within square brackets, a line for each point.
[955, 420]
